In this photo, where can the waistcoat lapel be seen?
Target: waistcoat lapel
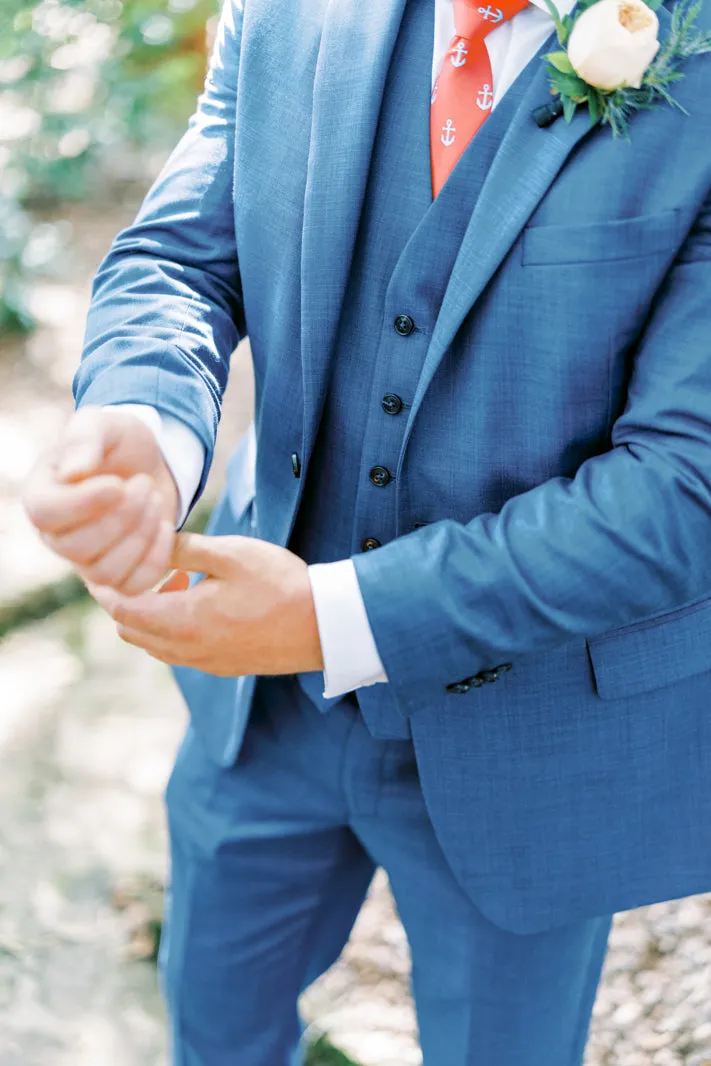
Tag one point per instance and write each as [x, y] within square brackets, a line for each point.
[356, 47]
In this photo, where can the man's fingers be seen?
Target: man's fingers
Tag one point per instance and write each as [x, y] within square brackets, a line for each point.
[90, 434]
[105, 597]
[166, 617]
[118, 564]
[163, 650]
[153, 565]
[89, 543]
[213, 556]
[55, 508]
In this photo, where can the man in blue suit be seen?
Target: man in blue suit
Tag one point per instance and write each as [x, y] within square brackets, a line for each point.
[476, 496]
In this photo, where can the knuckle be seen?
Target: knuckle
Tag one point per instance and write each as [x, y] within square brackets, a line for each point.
[75, 554]
[144, 577]
[78, 552]
[122, 616]
[135, 584]
[102, 573]
[126, 635]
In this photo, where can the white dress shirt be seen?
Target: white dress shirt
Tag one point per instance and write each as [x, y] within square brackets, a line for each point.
[349, 653]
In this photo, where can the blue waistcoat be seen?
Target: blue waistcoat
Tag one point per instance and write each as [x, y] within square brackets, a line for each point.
[402, 234]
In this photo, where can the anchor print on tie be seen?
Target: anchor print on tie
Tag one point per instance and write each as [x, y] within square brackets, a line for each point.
[485, 98]
[458, 55]
[449, 132]
[491, 14]
[464, 93]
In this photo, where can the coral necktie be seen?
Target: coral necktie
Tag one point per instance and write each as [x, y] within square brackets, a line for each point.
[464, 91]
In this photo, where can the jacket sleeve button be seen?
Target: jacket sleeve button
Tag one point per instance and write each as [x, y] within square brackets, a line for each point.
[459, 688]
[489, 675]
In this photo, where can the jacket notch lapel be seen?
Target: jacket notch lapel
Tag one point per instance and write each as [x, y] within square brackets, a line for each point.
[524, 168]
[526, 164]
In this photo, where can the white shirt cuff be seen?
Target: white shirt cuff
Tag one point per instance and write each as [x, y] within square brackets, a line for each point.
[350, 657]
[182, 449]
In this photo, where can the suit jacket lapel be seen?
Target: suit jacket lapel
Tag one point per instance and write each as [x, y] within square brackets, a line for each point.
[356, 47]
[525, 166]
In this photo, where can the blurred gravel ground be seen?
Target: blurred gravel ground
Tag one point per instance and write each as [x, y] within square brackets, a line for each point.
[653, 1007]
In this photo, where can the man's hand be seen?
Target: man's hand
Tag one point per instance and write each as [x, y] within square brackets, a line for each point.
[106, 501]
[253, 613]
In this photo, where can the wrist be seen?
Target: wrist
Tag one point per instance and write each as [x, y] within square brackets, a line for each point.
[305, 625]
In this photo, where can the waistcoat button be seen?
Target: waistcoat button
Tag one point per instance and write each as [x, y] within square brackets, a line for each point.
[380, 476]
[370, 544]
[404, 325]
[392, 404]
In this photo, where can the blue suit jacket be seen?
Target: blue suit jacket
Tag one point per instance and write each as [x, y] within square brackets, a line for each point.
[558, 445]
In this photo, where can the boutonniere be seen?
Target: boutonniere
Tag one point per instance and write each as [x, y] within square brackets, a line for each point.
[612, 59]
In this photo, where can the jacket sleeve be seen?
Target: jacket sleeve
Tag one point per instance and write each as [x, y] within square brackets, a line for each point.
[627, 537]
[166, 309]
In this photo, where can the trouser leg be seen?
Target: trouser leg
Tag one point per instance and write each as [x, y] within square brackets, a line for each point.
[267, 880]
[484, 996]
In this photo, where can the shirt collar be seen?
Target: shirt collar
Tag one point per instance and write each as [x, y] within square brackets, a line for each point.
[564, 6]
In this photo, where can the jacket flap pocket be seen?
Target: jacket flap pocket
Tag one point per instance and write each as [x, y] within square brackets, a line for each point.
[654, 653]
[626, 238]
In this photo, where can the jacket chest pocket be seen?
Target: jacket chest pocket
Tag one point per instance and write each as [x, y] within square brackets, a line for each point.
[628, 238]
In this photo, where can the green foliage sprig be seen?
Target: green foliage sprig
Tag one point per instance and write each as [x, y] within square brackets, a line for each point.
[616, 107]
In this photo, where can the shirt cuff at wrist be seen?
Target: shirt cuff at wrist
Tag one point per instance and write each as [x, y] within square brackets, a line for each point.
[350, 657]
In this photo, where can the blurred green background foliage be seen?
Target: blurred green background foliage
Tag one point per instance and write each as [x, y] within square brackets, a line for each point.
[88, 90]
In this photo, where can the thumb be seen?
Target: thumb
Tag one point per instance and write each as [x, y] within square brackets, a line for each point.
[201, 555]
[87, 439]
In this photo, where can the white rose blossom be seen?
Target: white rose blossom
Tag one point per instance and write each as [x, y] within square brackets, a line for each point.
[613, 43]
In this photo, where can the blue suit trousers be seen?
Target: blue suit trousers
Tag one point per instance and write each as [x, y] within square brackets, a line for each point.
[271, 860]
